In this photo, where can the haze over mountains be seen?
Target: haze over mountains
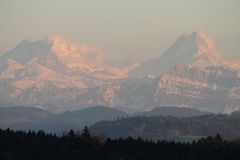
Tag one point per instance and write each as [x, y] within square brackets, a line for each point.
[59, 75]
[25, 118]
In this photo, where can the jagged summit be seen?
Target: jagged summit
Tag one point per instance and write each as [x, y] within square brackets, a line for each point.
[204, 37]
[67, 67]
[195, 49]
[56, 49]
[75, 54]
[196, 45]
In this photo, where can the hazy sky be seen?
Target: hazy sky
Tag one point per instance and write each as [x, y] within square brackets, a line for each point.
[125, 29]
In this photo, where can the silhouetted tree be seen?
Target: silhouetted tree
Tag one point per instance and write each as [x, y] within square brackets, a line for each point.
[71, 134]
[86, 133]
[41, 133]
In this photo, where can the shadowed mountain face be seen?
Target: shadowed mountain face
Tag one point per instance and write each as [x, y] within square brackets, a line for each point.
[62, 75]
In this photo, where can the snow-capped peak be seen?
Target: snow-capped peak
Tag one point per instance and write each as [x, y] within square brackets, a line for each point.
[194, 46]
[202, 38]
[56, 50]
[195, 49]
[74, 54]
[55, 57]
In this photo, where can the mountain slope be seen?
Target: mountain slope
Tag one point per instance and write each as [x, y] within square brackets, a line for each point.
[192, 73]
[87, 116]
[19, 114]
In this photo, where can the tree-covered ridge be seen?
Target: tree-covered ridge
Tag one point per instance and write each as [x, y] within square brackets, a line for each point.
[169, 127]
[72, 146]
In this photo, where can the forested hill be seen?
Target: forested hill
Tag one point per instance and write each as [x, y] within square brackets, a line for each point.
[40, 146]
[172, 128]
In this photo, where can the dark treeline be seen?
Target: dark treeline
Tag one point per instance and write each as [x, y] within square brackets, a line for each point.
[32, 145]
[168, 127]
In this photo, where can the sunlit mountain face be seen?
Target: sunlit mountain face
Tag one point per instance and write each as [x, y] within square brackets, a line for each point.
[59, 74]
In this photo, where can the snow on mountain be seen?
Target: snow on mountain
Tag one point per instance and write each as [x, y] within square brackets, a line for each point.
[196, 49]
[33, 67]
[61, 75]
[193, 73]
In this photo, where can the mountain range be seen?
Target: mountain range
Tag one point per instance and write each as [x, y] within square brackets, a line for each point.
[32, 118]
[25, 118]
[60, 75]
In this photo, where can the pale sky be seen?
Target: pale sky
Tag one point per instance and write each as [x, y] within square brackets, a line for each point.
[126, 29]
